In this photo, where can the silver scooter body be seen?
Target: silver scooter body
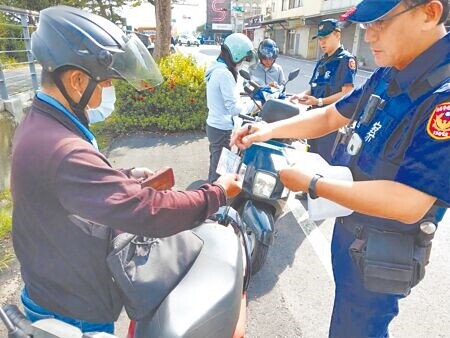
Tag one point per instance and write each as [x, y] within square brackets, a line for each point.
[206, 303]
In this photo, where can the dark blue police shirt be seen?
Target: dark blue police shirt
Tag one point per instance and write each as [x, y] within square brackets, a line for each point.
[332, 73]
[407, 140]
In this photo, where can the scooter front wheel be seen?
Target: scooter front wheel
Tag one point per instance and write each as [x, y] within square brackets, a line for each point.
[258, 223]
[259, 254]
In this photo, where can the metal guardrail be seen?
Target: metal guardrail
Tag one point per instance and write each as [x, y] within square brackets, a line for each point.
[15, 48]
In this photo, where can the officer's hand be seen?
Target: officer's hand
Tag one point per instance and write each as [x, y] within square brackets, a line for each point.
[141, 173]
[297, 98]
[295, 178]
[309, 100]
[250, 133]
[230, 183]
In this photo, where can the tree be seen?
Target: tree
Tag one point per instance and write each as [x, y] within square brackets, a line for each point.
[163, 15]
[105, 8]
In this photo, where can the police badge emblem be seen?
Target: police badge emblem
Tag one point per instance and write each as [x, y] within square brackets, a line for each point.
[438, 126]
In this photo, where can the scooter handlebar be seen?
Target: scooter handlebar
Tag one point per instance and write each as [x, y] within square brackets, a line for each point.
[248, 118]
[17, 324]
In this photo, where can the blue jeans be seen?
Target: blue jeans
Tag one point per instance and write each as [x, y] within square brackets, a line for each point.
[35, 312]
[357, 312]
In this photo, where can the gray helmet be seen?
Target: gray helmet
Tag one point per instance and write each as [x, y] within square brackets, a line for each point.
[240, 47]
[68, 36]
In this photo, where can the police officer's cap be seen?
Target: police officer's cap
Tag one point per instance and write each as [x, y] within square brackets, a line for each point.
[326, 27]
[370, 10]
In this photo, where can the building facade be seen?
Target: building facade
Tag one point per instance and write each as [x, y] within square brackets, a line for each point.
[293, 23]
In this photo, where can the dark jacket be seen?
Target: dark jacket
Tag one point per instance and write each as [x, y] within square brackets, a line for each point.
[64, 192]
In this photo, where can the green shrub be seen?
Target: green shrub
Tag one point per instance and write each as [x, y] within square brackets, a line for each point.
[178, 104]
[12, 42]
[5, 213]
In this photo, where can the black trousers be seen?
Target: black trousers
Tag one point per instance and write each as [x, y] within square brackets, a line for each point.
[218, 139]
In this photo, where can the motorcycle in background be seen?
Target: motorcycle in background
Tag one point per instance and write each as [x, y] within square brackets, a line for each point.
[261, 94]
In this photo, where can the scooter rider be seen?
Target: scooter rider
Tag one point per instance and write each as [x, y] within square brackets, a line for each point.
[333, 77]
[66, 195]
[396, 144]
[267, 72]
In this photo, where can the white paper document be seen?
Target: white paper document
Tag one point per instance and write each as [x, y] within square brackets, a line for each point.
[228, 162]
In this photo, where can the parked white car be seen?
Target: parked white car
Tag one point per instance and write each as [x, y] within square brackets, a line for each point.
[188, 40]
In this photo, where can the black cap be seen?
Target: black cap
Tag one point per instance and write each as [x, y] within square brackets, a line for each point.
[326, 27]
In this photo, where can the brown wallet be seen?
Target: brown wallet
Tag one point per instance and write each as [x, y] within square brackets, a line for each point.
[162, 179]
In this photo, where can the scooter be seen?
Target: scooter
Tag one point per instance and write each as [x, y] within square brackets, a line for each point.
[260, 94]
[19, 326]
[263, 196]
[208, 302]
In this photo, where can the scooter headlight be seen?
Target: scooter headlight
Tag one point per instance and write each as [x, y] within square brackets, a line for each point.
[263, 184]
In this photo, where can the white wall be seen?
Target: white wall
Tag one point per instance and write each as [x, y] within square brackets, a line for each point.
[310, 7]
[302, 48]
[330, 5]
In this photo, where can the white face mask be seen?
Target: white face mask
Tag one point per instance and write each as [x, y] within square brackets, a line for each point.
[105, 108]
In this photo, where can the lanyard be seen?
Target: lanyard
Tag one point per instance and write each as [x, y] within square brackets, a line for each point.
[86, 132]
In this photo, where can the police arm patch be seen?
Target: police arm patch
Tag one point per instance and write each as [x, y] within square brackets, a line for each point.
[438, 126]
[352, 63]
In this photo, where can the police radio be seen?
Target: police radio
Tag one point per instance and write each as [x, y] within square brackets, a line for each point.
[346, 136]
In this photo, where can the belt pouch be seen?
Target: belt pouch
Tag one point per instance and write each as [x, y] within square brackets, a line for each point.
[387, 261]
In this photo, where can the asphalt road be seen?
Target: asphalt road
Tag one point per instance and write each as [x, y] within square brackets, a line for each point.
[19, 80]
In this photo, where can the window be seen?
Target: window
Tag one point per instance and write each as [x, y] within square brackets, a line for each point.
[295, 3]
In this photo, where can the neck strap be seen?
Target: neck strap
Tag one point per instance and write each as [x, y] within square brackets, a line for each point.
[57, 105]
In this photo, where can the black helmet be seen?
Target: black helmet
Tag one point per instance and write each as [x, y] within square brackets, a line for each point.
[268, 50]
[68, 36]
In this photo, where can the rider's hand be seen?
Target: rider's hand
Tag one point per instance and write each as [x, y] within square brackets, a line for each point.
[140, 173]
[250, 133]
[230, 184]
[274, 84]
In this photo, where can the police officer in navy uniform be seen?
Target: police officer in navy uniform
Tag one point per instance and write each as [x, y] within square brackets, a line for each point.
[397, 145]
[332, 78]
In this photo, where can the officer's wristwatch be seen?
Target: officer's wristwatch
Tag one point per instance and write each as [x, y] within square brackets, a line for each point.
[312, 186]
[319, 102]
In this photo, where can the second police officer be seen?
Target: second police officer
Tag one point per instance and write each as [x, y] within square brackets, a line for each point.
[332, 78]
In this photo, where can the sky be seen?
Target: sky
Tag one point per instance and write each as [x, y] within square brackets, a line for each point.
[187, 18]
